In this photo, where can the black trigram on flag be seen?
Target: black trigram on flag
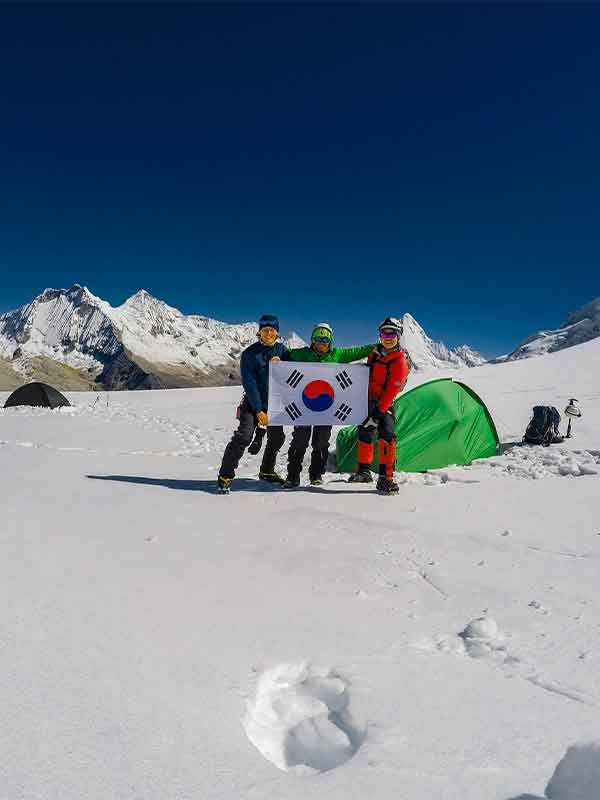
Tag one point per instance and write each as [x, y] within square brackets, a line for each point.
[343, 379]
[343, 412]
[294, 379]
[293, 411]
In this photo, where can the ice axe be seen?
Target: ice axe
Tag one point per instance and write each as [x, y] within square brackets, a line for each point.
[572, 411]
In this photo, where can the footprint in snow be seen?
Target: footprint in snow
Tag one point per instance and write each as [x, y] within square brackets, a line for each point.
[300, 720]
[483, 639]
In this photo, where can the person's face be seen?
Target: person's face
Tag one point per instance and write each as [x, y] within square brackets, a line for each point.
[268, 336]
[321, 347]
[389, 339]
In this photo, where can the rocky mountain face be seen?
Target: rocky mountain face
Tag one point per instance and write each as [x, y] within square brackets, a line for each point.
[82, 341]
[580, 326]
[143, 343]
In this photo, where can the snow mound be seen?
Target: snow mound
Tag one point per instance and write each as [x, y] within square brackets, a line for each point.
[484, 628]
[577, 776]
[532, 463]
[300, 719]
[483, 639]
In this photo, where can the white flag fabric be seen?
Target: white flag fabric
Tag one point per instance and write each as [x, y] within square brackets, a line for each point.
[306, 393]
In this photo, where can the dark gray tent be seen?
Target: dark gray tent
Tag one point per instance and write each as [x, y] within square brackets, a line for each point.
[37, 394]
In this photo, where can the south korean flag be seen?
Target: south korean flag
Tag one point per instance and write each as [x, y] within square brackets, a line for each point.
[317, 394]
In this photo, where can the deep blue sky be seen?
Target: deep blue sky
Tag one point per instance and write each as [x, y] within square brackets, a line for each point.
[322, 162]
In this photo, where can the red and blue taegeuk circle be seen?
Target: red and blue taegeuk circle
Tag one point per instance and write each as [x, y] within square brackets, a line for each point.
[318, 396]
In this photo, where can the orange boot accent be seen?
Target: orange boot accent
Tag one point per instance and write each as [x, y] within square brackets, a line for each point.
[387, 456]
[364, 454]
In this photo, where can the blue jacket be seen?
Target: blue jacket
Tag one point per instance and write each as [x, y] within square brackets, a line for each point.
[254, 367]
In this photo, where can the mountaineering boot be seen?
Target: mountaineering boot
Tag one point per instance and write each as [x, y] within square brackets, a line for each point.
[270, 477]
[315, 478]
[362, 475]
[387, 455]
[223, 485]
[387, 485]
[292, 480]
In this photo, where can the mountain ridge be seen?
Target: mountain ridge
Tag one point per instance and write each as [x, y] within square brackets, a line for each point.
[144, 343]
[580, 326]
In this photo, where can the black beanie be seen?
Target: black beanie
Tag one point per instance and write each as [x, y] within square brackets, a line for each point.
[268, 321]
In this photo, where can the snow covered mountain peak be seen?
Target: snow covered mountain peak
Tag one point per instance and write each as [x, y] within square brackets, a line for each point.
[590, 311]
[143, 342]
[69, 325]
[579, 327]
[424, 352]
[143, 302]
[142, 314]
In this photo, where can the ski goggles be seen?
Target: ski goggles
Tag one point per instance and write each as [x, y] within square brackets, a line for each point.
[321, 339]
[388, 333]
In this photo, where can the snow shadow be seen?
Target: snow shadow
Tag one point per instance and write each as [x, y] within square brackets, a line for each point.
[209, 486]
[528, 797]
[576, 777]
[505, 447]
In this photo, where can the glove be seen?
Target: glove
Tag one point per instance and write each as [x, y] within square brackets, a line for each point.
[377, 414]
[262, 418]
[256, 443]
[370, 423]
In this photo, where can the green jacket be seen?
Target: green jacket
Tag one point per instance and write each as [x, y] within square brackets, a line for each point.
[337, 355]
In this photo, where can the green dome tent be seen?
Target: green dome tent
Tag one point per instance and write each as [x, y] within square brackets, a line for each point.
[438, 423]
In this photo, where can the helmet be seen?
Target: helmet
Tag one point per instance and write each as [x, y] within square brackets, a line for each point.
[392, 323]
[322, 331]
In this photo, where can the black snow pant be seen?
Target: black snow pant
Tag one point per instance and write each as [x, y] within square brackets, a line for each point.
[242, 438]
[321, 434]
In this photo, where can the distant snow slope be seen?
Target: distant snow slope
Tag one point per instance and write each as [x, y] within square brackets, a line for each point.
[580, 326]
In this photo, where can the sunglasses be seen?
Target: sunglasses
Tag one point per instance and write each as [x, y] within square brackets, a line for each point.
[388, 334]
[321, 339]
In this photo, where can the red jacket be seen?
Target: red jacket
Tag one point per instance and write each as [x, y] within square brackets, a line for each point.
[388, 375]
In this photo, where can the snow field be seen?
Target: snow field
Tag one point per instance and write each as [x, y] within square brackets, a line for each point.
[158, 641]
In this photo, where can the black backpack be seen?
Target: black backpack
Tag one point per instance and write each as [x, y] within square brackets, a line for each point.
[543, 428]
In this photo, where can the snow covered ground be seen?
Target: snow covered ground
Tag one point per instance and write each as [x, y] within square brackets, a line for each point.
[159, 642]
